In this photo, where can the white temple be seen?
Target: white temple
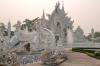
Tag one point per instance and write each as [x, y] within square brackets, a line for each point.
[40, 34]
[48, 34]
[59, 23]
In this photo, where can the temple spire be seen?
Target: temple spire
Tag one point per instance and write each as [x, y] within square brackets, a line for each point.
[57, 5]
[62, 5]
[63, 8]
[43, 20]
[43, 16]
[92, 33]
[9, 29]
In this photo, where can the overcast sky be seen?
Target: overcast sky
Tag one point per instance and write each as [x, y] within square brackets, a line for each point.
[86, 13]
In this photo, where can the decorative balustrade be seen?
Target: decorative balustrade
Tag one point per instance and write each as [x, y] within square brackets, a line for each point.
[82, 45]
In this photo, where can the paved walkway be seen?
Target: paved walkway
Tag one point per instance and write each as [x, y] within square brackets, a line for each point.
[76, 59]
[80, 59]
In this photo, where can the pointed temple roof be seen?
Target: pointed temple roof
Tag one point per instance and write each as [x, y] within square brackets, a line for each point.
[43, 15]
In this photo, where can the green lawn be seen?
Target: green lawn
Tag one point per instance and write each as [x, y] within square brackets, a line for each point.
[88, 52]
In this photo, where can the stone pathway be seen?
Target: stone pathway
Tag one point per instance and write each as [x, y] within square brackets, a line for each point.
[76, 59]
[80, 59]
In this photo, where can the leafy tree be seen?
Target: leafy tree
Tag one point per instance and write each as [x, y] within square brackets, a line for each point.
[29, 23]
[96, 37]
[97, 34]
[23, 26]
[2, 28]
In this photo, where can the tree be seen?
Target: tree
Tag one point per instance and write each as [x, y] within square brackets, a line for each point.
[30, 23]
[96, 37]
[97, 34]
[2, 28]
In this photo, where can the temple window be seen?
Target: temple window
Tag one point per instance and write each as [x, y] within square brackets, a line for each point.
[57, 38]
[65, 32]
[58, 24]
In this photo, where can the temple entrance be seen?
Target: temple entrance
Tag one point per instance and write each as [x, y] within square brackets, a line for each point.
[27, 47]
[56, 39]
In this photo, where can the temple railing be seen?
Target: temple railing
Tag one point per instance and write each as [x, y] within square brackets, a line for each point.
[82, 45]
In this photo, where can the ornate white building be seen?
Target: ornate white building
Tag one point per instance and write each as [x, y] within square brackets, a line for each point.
[49, 33]
[59, 23]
